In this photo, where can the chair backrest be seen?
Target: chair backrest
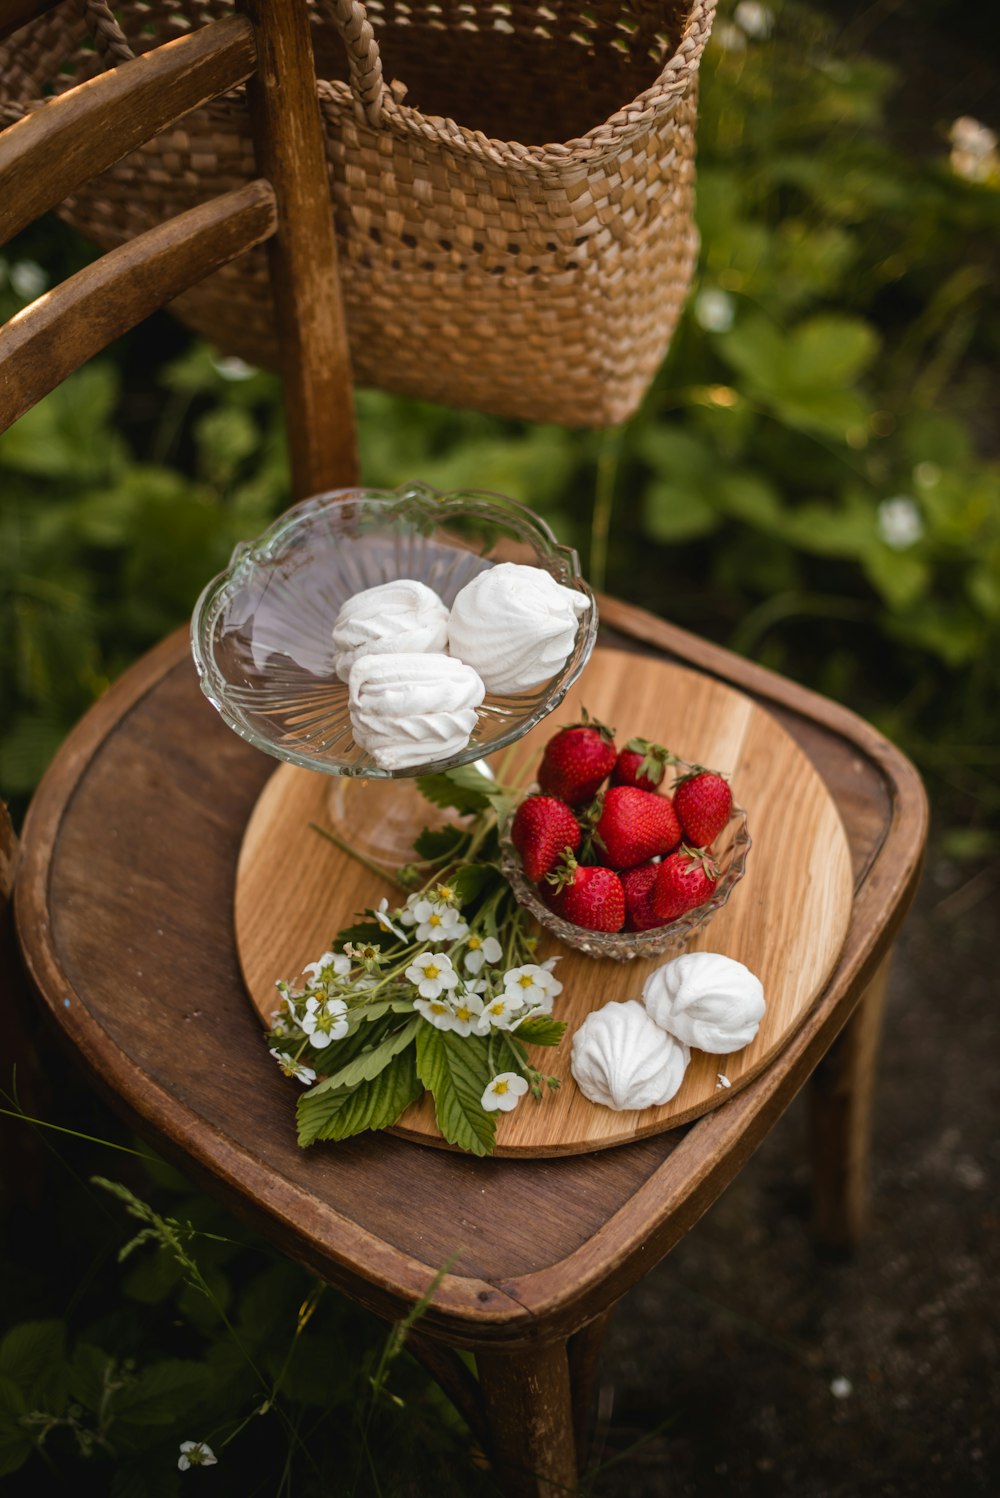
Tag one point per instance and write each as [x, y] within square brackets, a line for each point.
[49, 153]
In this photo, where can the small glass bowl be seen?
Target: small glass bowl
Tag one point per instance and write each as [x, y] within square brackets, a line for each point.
[262, 631]
[729, 850]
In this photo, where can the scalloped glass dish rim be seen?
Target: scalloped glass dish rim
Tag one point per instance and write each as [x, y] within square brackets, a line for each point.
[267, 548]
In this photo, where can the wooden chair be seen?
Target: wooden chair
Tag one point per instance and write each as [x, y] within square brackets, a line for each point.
[125, 888]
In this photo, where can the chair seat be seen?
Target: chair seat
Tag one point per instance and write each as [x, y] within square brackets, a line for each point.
[124, 911]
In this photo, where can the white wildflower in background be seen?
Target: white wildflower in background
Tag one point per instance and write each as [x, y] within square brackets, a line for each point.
[504, 1092]
[729, 38]
[325, 972]
[293, 1068]
[714, 310]
[437, 1012]
[900, 523]
[385, 924]
[232, 368]
[28, 279]
[841, 1388]
[481, 949]
[432, 972]
[196, 1454]
[755, 19]
[533, 985]
[323, 1021]
[973, 150]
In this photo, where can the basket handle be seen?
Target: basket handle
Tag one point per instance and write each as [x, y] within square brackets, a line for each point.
[348, 17]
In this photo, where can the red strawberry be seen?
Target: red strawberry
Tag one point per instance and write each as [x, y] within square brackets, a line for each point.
[641, 764]
[587, 896]
[541, 829]
[638, 885]
[685, 880]
[704, 803]
[577, 761]
[635, 826]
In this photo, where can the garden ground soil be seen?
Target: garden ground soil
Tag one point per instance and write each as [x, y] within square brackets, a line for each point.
[749, 1364]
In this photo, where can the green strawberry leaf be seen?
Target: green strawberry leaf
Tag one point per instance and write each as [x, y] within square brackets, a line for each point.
[456, 1070]
[437, 842]
[463, 790]
[371, 1105]
[366, 1066]
[541, 1029]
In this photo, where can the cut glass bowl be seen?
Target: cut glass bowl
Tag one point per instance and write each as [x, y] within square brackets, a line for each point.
[262, 631]
[729, 850]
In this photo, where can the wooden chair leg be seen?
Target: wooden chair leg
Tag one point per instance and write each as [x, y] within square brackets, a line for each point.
[840, 1094]
[529, 1411]
[584, 1364]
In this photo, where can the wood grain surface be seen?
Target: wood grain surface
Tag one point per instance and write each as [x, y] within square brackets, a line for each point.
[786, 920]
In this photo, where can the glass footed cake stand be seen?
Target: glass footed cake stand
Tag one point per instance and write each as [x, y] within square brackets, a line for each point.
[262, 636]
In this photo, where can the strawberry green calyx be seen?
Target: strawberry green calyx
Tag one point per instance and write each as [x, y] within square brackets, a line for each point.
[704, 860]
[586, 721]
[564, 872]
[693, 771]
[655, 759]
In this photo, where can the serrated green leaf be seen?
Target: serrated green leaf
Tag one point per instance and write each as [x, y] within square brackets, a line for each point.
[370, 1061]
[542, 1029]
[31, 1354]
[437, 842]
[15, 1445]
[464, 790]
[162, 1393]
[455, 1070]
[363, 933]
[372, 1105]
[470, 879]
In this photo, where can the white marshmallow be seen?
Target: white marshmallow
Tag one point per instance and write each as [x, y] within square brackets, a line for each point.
[400, 617]
[623, 1060]
[516, 625]
[706, 1000]
[412, 709]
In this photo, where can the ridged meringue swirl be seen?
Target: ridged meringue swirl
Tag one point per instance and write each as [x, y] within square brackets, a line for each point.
[706, 1000]
[516, 625]
[623, 1060]
[400, 617]
[412, 709]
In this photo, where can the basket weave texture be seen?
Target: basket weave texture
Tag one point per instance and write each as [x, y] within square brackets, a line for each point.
[499, 249]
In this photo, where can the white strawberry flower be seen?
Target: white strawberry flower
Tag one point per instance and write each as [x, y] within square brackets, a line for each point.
[467, 1008]
[481, 949]
[323, 1021]
[381, 914]
[432, 972]
[196, 1454]
[325, 972]
[438, 1012]
[504, 1092]
[500, 1013]
[293, 1068]
[533, 984]
[438, 922]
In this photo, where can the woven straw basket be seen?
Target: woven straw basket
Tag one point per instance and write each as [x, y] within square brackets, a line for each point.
[482, 265]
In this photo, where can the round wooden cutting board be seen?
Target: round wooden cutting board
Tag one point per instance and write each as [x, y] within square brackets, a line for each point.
[786, 919]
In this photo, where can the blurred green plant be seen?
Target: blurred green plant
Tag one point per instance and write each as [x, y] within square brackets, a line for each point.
[802, 482]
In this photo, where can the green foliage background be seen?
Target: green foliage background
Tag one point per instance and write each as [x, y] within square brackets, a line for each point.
[837, 355]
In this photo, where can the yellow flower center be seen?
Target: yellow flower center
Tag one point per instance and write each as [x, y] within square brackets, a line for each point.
[439, 1008]
[432, 972]
[475, 942]
[434, 920]
[525, 981]
[498, 1007]
[500, 1088]
[445, 893]
[463, 1013]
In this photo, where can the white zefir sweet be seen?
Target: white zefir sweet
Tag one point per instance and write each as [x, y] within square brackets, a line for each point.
[622, 1060]
[516, 625]
[401, 617]
[411, 710]
[706, 1000]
